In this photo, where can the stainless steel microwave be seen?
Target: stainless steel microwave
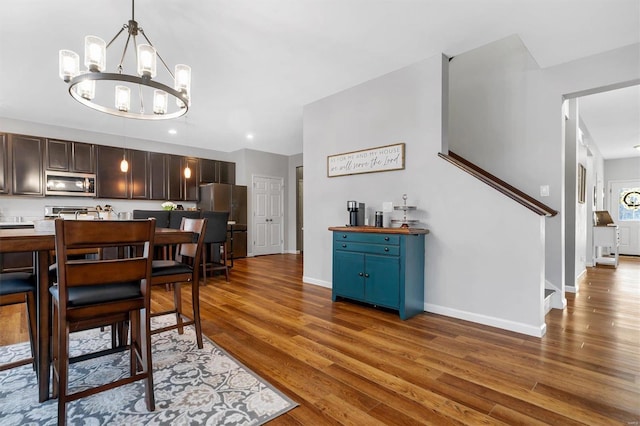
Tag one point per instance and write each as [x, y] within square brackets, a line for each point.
[70, 184]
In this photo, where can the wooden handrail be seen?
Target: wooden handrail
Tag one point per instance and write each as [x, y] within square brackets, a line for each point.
[500, 185]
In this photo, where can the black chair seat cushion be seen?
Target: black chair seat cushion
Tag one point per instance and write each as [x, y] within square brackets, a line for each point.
[16, 282]
[89, 295]
[169, 267]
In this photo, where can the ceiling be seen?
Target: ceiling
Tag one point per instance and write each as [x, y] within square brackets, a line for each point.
[257, 63]
[612, 120]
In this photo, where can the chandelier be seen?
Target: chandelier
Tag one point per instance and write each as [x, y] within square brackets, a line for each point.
[115, 93]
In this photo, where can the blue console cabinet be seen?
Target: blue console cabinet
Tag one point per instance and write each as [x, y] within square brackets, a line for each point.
[380, 266]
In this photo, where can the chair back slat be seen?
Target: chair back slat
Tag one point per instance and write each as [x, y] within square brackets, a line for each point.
[192, 250]
[103, 233]
[133, 237]
[91, 272]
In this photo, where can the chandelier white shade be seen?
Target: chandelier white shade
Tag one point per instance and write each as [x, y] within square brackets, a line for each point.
[137, 95]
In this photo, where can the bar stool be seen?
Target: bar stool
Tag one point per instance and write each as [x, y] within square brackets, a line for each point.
[15, 288]
[215, 239]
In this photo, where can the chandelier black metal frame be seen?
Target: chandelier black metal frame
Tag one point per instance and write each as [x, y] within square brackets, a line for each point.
[82, 85]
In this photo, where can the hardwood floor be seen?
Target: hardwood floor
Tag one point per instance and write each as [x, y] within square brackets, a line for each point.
[355, 365]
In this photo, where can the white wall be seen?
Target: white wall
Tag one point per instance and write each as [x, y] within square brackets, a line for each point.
[622, 169]
[513, 126]
[484, 256]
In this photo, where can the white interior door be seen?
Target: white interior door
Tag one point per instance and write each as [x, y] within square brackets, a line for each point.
[624, 208]
[268, 217]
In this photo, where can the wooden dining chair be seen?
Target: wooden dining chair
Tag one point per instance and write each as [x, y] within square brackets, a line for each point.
[92, 293]
[15, 288]
[184, 268]
[214, 250]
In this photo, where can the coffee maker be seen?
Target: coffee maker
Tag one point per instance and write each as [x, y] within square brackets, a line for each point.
[356, 213]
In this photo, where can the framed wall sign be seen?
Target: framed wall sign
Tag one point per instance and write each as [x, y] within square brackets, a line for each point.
[380, 159]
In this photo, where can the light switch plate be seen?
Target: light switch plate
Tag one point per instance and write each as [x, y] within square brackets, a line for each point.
[544, 190]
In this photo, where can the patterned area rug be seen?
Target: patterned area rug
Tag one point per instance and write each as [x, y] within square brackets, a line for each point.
[192, 386]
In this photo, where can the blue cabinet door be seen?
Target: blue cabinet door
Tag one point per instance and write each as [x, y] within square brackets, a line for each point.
[348, 275]
[382, 280]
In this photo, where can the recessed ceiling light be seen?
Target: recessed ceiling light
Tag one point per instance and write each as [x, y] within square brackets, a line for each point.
[173, 131]
[250, 136]
[637, 147]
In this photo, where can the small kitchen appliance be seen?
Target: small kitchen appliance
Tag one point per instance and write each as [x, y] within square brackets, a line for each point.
[356, 213]
[379, 219]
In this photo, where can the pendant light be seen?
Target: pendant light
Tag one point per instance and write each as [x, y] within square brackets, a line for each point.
[124, 164]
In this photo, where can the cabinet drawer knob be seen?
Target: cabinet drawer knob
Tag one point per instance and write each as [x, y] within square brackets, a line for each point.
[360, 274]
[344, 245]
[344, 235]
[366, 275]
[386, 249]
[386, 238]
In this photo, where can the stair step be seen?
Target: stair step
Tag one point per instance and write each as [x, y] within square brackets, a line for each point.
[548, 292]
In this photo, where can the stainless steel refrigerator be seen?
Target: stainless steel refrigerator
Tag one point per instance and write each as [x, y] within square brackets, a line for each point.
[231, 198]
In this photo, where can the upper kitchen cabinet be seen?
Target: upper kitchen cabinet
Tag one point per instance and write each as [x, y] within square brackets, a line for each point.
[111, 182]
[214, 171]
[179, 186]
[4, 164]
[69, 156]
[226, 172]
[158, 180]
[208, 171]
[26, 153]
[138, 174]
[175, 185]
[191, 183]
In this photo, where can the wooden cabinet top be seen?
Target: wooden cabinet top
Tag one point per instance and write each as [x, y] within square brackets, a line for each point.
[374, 230]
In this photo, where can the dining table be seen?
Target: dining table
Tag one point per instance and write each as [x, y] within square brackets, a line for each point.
[40, 243]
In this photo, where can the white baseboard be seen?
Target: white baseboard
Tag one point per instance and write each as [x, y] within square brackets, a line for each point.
[529, 330]
[558, 301]
[321, 283]
[468, 316]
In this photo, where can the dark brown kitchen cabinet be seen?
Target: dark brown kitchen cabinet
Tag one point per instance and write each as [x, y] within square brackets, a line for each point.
[191, 183]
[167, 178]
[138, 174]
[174, 176]
[26, 165]
[111, 182]
[215, 171]
[208, 171]
[67, 156]
[158, 180]
[226, 172]
[4, 163]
